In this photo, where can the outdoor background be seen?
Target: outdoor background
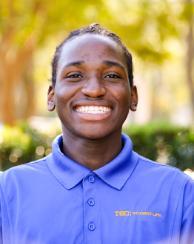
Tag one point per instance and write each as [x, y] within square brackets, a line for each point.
[159, 34]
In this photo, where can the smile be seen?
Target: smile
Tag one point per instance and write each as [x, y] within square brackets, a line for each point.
[93, 109]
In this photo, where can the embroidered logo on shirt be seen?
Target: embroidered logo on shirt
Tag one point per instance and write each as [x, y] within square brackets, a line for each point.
[126, 213]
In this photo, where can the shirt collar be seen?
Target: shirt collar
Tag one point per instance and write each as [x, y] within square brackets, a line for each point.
[69, 173]
[117, 171]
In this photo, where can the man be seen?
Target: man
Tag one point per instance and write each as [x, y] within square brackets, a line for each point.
[94, 188]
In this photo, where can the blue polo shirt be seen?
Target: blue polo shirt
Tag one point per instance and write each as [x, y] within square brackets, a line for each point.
[130, 200]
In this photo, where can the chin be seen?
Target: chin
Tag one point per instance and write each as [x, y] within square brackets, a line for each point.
[97, 134]
[91, 131]
[93, 136]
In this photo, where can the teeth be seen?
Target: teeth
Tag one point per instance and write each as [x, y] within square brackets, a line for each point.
[93, 109]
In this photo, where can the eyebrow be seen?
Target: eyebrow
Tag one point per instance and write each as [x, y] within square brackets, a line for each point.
[77, 63]
[106, 62]
[113, 63]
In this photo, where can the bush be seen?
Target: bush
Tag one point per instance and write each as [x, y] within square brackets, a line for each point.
[22, 144]
[163, 142]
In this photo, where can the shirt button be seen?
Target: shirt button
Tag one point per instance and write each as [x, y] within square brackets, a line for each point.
[91, 202]
[91, 179]
[91, 226]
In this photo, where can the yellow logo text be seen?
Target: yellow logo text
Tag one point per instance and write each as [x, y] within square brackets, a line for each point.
[126, 213]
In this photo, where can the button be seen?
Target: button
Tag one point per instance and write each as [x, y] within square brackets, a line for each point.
[91, 226]
[91, 202]
[91, 179]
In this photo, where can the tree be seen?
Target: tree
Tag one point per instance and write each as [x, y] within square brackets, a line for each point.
[188, 16]
[145, 26]
[24, 26]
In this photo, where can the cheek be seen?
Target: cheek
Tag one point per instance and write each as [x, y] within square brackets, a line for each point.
[63, 93]
[61, 100]
[123, 96]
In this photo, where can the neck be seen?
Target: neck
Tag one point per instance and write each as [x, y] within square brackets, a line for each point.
[92, 153]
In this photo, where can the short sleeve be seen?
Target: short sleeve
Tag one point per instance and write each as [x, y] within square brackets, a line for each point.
[1, 238]
[187, 226]
[1, 241]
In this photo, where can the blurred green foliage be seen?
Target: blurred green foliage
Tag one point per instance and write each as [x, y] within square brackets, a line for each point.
[21, 144]
[163, 142]
[146, 26]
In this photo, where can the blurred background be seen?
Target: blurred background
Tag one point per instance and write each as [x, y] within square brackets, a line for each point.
[159, 34]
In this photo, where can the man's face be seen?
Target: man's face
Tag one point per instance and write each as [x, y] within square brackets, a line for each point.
[92, 93]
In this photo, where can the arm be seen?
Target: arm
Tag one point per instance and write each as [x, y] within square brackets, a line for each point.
[187, 225]
[1, 238]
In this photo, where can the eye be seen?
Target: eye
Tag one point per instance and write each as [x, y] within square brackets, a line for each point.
[112, 76]
[74, 76]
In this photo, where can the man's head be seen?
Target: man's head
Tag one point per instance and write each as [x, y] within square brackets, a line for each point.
[98, 30]
[92, 86]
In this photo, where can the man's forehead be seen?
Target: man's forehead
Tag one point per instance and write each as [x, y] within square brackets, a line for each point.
[86, 44]
[87, 40]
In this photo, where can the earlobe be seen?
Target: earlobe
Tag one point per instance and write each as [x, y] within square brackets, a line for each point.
[133, 107]
[134, 99]
[51, 106]
[50, 99]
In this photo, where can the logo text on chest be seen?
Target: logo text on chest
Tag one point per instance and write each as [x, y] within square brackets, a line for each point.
[126, 213]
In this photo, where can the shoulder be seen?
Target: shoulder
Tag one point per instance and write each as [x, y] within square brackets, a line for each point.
[154, 171]
[25, 173]
[166, 183]
[164, 174]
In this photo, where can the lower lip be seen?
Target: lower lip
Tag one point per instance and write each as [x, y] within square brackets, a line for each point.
[93, 117]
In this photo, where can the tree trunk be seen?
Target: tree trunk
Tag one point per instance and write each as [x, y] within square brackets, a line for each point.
[12, 75]
[7, 97]
[190, 56]
[28, 90]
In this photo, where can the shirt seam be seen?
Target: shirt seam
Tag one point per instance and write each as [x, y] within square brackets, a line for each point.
[6, 208]
[178, 201]
[156, 163]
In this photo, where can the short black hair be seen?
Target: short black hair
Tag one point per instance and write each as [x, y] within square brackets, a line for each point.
[98, 30]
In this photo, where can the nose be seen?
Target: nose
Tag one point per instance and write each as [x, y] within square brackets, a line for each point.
[93, 88]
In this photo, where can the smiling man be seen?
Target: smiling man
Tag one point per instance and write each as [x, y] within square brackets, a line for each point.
[92, 95]
[93, 188]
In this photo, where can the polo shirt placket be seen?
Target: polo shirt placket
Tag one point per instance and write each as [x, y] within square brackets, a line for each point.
[91, 206]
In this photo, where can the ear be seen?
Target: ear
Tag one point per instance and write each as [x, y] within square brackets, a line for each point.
[50, 99]
[134, 99]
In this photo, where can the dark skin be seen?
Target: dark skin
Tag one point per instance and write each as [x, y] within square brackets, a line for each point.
[92, 97]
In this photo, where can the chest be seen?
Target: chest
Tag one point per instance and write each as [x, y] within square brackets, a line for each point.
[90, 213]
